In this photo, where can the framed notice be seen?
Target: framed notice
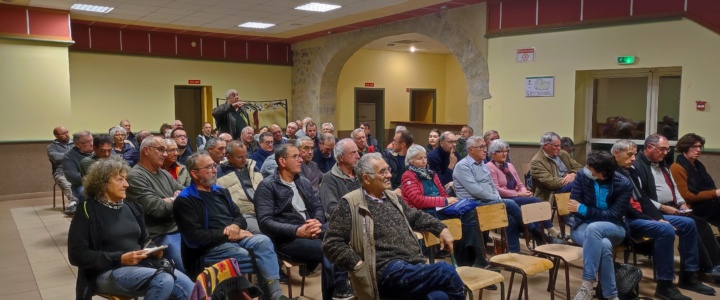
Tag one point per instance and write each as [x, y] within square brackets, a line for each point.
[541, 86]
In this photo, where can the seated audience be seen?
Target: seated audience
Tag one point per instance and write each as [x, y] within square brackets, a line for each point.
[141, 135]
[247, 138]
[472, 180]
[371, 141]
[567, 145]
[102, 148]
[489, 137]
[290, 131]
[328, 128]
[309, 169]
[645, 220]
[465, 133]
[390, 145]
[658, 184]
[433, 140]
[358, 136]
[552, 170]
[396, 158]
[277, 135]
[176, 170]
[238, 175]
[265, 150]
[216, 149]
[155, 190]
[289, 212]
[391, 251]
[177, 124]
[312, 132]
[302, 131]
[599, 200]
[213, 229]
[509, 185]
[106, 242]
[125, 149]
[269, 166]
[165, 130]
[341, 179]
[130, 136]
[442, 159]
[204, 136]
[180, 137]
[83, 147]
[56, 152]
[226, 137]
[323, 155]
[421, 189]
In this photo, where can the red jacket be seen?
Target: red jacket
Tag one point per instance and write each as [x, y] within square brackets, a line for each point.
[414, 194]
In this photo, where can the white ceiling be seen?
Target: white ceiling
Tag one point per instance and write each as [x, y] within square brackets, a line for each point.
[402, 43]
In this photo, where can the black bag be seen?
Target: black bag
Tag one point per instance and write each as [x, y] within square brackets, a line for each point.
[161, 265]
[627, 278]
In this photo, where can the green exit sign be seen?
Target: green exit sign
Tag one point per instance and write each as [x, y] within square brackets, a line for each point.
[626, 60]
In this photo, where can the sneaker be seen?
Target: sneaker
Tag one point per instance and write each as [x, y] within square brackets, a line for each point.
[583, 294]
[343, 292]
[554, 240]
[714, 273]
[70, 210]
[666, 290]
[690, 281]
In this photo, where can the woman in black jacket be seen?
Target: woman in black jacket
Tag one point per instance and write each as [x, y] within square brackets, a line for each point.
[598, 202]
[106, 241]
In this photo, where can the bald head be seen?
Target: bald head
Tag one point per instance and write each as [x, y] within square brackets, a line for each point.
[61, 134]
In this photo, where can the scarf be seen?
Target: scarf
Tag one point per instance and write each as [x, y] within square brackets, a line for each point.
[698, 178]
[423, 174]
[511, 182]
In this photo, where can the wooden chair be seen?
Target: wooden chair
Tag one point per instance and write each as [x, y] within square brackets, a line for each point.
[473, 278]
[494, 216]
[62, 195]
[288, 266]
[538, 212]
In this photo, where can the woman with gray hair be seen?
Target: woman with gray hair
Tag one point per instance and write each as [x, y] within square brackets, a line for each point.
[123, 147]
[421, 189]
[109, 255]
[506, 179]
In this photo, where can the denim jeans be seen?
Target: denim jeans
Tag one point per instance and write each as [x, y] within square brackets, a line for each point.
[127, 280]
[422, 281]
[173, 241]
[566, 189]
[597, 239]
[514, 219]
[266, 259]
[64, 185]
[664, 235]
[79, 194]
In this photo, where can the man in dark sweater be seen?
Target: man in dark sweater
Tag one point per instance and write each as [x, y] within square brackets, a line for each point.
[213, 229]
[83, 141]
[396, 158]
[266, 149]
[442, 160]
[341, 179]
[396, 258]
[56, 152]
[309, 169]
[323, 155]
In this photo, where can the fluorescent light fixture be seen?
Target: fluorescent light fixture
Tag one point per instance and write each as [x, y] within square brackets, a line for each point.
[257, 25]
[92, 8]
[318, 7]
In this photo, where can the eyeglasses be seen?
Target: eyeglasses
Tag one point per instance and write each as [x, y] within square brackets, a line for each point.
[159, 149]
[696, 147]
[661, 149]
[174, 150]
[267, 142]
[450, 142]
[385, 171]
[479, 147]
[208, 168]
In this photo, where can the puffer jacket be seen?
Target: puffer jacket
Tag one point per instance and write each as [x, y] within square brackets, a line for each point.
[276, 215]
[414, 193]
[227, 178]
[618, 199]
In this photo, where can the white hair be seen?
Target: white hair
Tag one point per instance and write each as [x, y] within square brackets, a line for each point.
[413, 151]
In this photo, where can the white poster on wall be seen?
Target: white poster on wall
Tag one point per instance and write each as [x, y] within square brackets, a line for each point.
[539, 86]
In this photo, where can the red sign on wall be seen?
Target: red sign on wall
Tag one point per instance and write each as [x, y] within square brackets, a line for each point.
[194, 81]
[369, 84]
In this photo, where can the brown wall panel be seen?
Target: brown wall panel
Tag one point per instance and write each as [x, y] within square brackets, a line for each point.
[257, 52]
[236, 50]
[188, 46]
[493, 15]
[213, 48]
[518, 14]
[48, 23]
[601, 9]
[558, 11]
[162, 43]
[81, 36]
[135, 41]
[652, 7]
[105, 38]
[13, 20]
[707, 10]
[278, 53]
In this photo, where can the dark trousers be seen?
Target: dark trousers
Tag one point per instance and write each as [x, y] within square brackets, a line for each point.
[422, 281]
[309, 251]
[708, 247]
[664, 236]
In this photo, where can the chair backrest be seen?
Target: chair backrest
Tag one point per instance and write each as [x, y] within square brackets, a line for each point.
[536, 212]
[492, 216]
[561, 202]
[453, 225]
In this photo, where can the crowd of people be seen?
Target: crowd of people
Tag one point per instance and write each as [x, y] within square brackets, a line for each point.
[308, 196]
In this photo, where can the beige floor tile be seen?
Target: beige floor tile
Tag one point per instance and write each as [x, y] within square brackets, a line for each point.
[15, 278]
[29, 295]
[51, 282]
[54, 272]
[63, 291]
[20, 287]
[36, 267]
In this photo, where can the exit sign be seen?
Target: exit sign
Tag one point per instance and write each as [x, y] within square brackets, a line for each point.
[369, 84]
[626, 60]
[194, 81]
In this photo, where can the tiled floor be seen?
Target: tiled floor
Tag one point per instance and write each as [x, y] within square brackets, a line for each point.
[34, 265]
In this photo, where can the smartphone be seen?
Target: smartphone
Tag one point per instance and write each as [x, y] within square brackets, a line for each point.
[154, 249]
[685, 211]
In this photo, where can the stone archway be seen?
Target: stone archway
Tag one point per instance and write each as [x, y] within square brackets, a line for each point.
[317, 63]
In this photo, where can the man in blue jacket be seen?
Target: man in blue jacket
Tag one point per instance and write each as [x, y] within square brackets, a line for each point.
[442, 160]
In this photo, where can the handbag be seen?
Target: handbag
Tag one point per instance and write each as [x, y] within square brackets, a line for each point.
[161, 265]
[627, 278]
[460, 207]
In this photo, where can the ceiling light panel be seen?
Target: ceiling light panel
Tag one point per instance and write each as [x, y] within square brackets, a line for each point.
[92, 8]
[256, 25]
[318, 7]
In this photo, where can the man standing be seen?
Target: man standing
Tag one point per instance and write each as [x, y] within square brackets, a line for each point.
[248, 134]
[290, 131]
[442, 160]
[465, 133]
[323, 155]
[180, 137]
[266, 149]
[472, 180]
[309, 168]
[645, 220]
[239, 177]
[341, 179]
[205, 136]
[213, 229]
[155, 190]
[396, 158]
[552, 170]
[386, 260]
[231, 117]
[83, 141]
[56, 152]
[102, 148]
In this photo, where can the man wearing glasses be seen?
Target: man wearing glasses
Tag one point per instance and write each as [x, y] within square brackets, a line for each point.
[323, 155]
[552, 169]
[184, 150]
[266, 149]
[442, 160]
[155, 190]
[83, 148]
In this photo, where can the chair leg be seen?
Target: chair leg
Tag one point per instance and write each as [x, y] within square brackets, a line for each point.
[289, 284]
[54, 190]
[302, 286]
[512, 279]
[567, 280]
[502, 290]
